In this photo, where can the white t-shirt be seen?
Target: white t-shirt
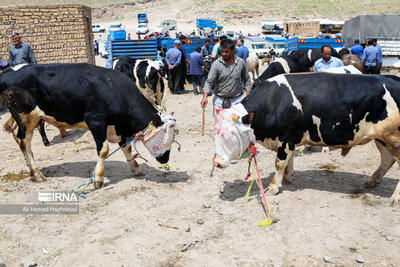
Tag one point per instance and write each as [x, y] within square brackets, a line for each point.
[215, 50]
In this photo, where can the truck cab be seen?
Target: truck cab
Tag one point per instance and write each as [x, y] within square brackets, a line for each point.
[142, 18]
[257, 45]
[208, 23]
[277, 43]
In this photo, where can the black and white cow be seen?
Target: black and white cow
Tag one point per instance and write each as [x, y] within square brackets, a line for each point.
[79, 96]
[148, 76]
[296, 61]
[319, 109]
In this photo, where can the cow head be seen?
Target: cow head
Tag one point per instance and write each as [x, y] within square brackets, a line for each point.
[159, 136]
[232, 134]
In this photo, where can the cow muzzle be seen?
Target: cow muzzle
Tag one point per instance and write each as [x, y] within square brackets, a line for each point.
[220, 162]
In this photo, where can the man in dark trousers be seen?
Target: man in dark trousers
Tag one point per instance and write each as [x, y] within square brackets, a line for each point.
[197, 70]
[370, 58]
[174, 61]
[185, 62]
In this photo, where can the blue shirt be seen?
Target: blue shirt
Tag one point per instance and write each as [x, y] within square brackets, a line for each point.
[243, 52]
[370, 56]
[183, 50]
[196, 61]
[357, 50]
[21, 55]
[173, 57]
[321, 65]
[380, 53]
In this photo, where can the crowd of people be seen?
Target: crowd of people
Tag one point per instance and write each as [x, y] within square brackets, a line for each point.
[371, 55]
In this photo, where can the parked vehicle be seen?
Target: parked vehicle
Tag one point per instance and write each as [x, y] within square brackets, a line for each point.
[169, 24]
[142, 28]
[98, 28]
[271, 26]
[230, 33]
[277, 43]
[117, 32]
[257, 45]
[103, 48]
[209, 23]
[142, 18]
[312, 43]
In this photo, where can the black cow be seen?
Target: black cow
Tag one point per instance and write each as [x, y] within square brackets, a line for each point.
[78, 96]
[319, 109]
[296, 61]
[148, 76]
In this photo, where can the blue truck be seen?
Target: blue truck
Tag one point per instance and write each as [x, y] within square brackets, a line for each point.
[142, 18]
[312, 43]
[202, 23]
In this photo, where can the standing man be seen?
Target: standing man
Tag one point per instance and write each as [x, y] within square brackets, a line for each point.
[225, 78]
[375, 43]
[174, 60]
[185, 62]
[96, 47]
[370, 58]
[242, 51]
[327, 61]
[129, 36]
[206, 54]
[357, 49]
[197, 70]
[20, 52]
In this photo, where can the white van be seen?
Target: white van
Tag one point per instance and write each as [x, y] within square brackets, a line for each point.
[257, 45]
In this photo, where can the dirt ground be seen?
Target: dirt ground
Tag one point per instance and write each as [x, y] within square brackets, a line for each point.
[184, 217]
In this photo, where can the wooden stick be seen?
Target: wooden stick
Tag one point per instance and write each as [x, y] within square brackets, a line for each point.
[203, 121]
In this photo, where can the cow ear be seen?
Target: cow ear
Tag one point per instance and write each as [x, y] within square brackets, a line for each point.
[249, 118]
[157, 120]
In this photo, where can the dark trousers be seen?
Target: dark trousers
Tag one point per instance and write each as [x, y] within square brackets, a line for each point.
[198, 80]
[175, 79]
[370, 70]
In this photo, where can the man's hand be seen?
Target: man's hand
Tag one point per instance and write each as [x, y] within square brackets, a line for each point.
[204, 101]
[170, 67]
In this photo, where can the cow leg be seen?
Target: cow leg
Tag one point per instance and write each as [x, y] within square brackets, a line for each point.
[26, 133]
[42, 132]
[387, 161]
[99, 132]
[257, 70]
[135, 168]
[282, 160]
[395, 198]
[287, 176]
[63, 132]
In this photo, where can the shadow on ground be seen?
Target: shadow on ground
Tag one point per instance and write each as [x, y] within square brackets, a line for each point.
[338, 182]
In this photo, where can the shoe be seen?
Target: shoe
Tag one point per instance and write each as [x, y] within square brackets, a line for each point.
[196, 93]
[234, 161]
[185, 91]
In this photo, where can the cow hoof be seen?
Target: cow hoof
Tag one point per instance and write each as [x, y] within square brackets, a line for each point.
[273, 190]
[98, 184]
[394, 200]
[46, 142]
[371, 184]
[38, 177]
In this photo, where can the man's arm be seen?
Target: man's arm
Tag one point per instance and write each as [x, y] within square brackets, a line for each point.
[11, 59]
[245, 77]
[178, 61]
[316, 66]
[364, 56]
[31, 55]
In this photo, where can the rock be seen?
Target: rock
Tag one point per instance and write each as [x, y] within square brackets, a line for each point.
[59, 158]
[33, 264]
[389, 238]
[327, 259]
[200, 221]
[3, 265]
[44, 251]
[359, 259]
[187, 229]
[221, 189]
[206, 205]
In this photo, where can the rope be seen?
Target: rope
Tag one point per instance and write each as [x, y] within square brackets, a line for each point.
[268, 221]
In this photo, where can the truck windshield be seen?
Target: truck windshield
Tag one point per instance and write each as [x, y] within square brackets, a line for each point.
[279, 46]
[259, 46]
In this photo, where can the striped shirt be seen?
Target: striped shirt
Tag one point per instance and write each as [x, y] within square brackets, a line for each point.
[321, 64]
[370, 56]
